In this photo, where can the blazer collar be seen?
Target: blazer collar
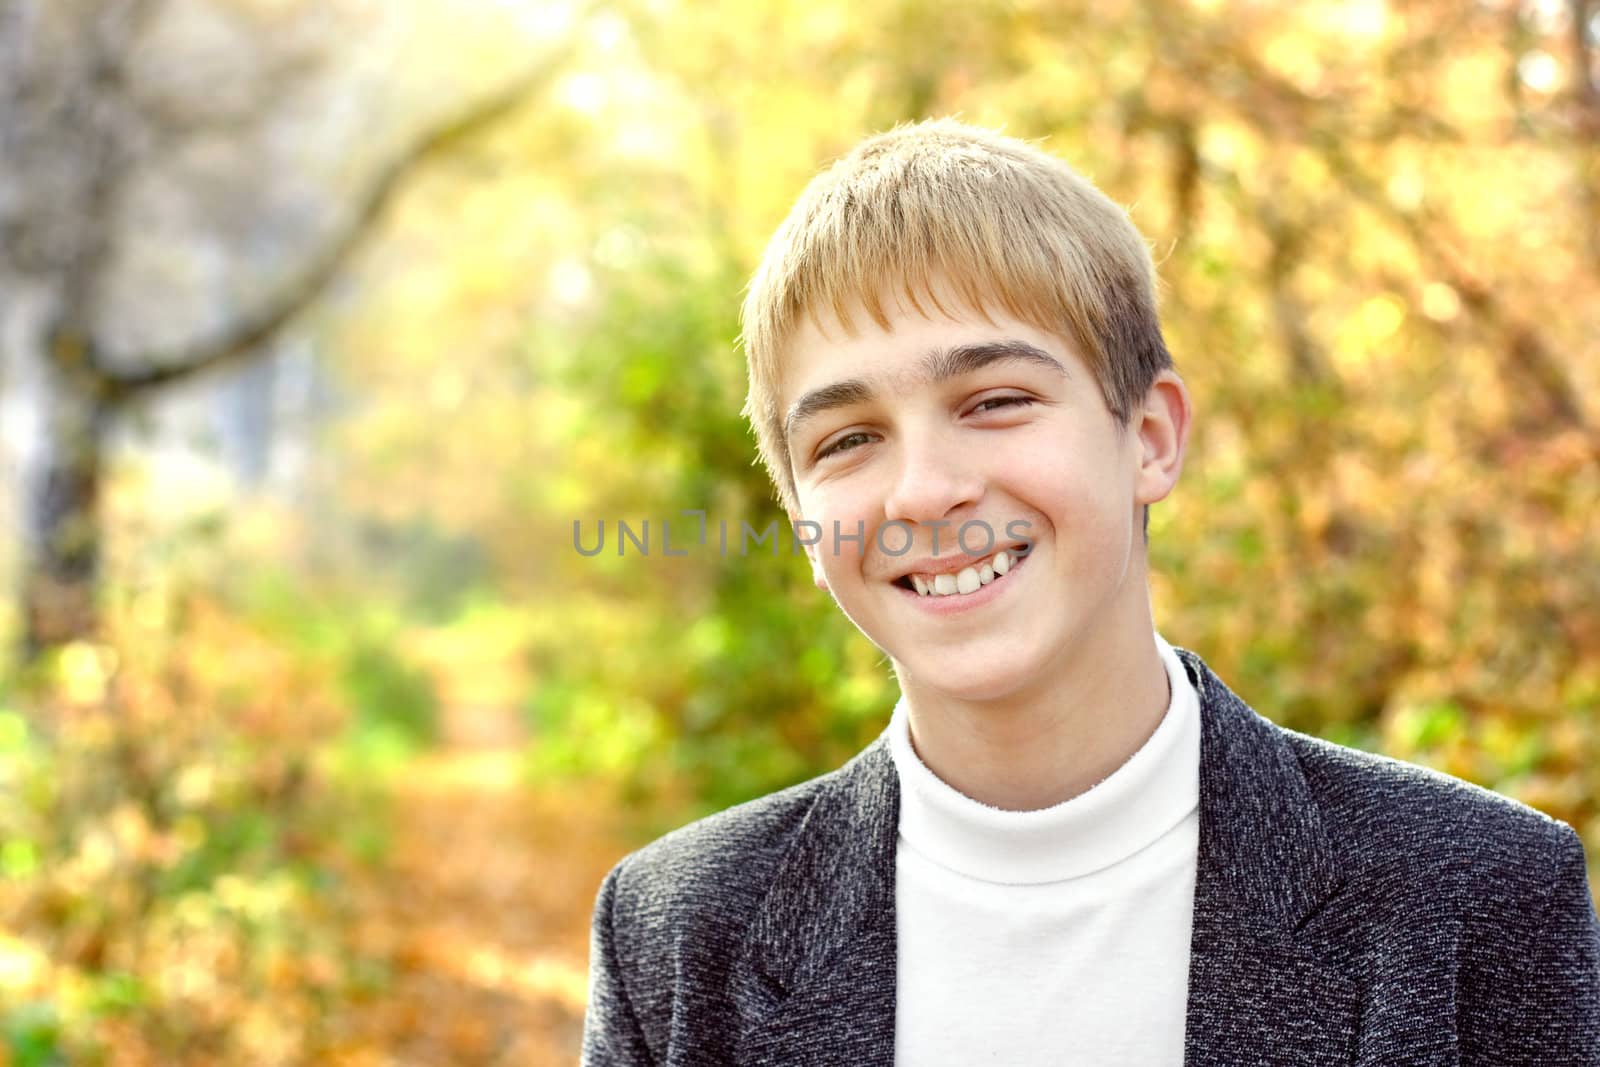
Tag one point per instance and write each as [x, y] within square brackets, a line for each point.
[1261, 987]
[818, 972]
[819, 966]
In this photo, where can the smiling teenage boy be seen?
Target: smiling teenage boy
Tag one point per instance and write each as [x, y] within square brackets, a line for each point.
[1072, 843]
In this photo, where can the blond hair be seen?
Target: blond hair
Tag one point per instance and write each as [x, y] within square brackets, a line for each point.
[1002, 223]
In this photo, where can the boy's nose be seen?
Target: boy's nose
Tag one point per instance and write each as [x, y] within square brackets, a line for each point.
[933, 480]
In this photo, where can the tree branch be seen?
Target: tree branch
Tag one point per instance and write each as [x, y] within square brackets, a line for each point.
[246, 336]
[1528, 358]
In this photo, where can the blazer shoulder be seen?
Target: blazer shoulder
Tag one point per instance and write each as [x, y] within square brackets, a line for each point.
[711, 873]
[683, 904]
[1387, 813]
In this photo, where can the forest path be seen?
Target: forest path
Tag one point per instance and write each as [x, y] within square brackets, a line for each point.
[481, 906]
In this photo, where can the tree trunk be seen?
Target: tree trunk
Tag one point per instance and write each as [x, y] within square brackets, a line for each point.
[61, 503]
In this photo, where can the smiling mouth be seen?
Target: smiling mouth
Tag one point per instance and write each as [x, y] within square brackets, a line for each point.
[968, 580]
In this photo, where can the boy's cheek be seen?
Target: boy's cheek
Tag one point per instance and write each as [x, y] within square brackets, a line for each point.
[840, 560]
[818, 563]
[847, 528]
[824, 553]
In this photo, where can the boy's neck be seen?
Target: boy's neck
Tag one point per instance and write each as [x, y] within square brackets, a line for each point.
[1035, 749]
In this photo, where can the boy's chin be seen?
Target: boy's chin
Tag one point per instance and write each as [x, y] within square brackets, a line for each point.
[977, 683]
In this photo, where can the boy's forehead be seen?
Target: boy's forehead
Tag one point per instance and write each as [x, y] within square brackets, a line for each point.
[913, 348]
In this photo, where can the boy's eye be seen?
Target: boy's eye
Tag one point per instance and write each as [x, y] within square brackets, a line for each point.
[995, 403]
[845, 443]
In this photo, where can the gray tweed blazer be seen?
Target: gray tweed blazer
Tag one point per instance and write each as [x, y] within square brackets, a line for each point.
[1349, 909]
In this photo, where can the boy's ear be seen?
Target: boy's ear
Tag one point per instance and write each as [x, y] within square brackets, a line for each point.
[1162, 426]
[811, 554]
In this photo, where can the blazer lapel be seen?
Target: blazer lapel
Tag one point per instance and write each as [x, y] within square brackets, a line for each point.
[1261, 989]
[818, 974]
[817, 977]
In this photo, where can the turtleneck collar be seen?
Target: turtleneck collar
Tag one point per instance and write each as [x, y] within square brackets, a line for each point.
[1154, 790]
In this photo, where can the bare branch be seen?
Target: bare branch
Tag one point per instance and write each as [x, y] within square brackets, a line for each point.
[249, 334]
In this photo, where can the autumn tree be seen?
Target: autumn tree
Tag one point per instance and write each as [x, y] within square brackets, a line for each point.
[146, 142]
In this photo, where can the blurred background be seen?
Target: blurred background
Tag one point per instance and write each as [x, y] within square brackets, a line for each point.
[321, 323]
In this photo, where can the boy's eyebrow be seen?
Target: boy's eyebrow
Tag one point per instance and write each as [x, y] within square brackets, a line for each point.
[943, 364]
[838, 395]
[939, 365]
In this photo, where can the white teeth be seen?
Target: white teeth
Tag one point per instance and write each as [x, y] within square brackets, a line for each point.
[967, 581]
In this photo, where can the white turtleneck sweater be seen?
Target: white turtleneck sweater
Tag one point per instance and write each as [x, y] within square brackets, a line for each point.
[1054, 936]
